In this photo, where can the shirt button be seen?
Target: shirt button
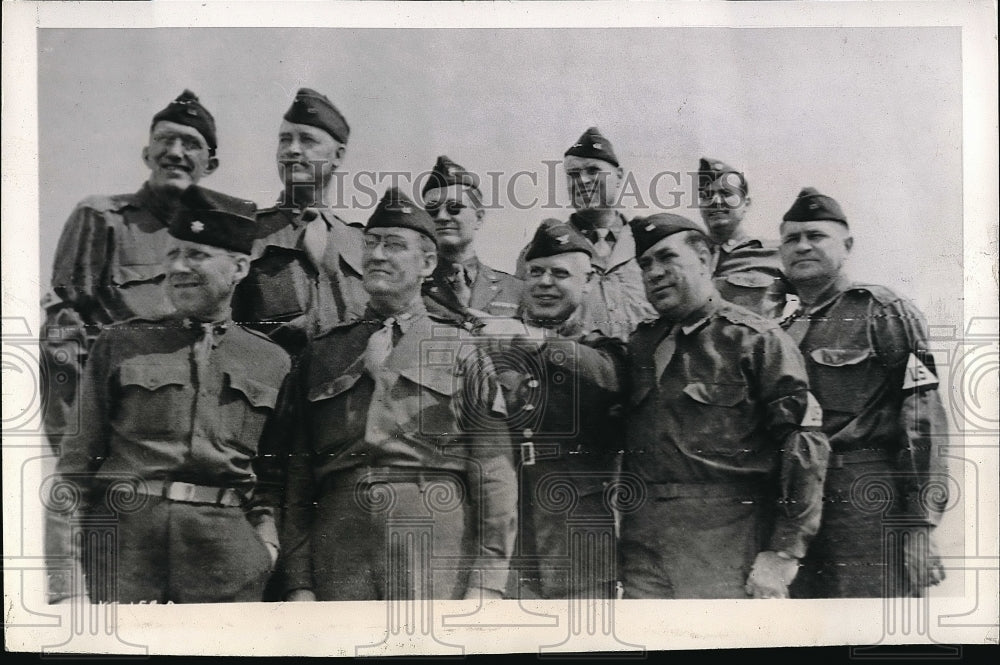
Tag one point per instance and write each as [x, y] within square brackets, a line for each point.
[533, 383]
[528, 433]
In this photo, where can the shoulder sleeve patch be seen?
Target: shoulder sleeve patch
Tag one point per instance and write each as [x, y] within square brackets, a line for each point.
[917, 375]
[813, 416]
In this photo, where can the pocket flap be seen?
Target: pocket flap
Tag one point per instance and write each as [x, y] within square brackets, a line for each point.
[840, 357]
[153, 376]
[138, 272]
[257, 393]
[717, 394]
[332, 388]
[753, 280]
[441, 380]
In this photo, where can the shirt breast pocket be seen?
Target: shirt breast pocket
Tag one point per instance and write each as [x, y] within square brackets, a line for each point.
[338, 409]
[278, 286]
[156, 400]
[718, 416]
[245, 407]
[844, 379]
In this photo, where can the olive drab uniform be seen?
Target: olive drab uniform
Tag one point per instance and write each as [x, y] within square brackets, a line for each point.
[176, 447]
[108, 268]
[414, 439]
[866, 352]
[724, 435]
[486, 289]
[305, 276]
[566, 427]
[617, 303]
[749, 274]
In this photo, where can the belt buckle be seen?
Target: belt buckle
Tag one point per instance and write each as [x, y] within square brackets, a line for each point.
[528, 453]
[177, 491]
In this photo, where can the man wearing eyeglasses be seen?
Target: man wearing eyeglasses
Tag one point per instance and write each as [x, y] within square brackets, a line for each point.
[748, 270]
[564, 385]
[461, 281]
[401, 484]
[108, 264]
[306, 272]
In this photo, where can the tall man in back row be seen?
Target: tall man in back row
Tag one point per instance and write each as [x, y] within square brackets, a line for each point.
[461, 281]
[748, 271]
[306, 270]
[721, 429]
[617, 303]
[866, 351]
[108, 263]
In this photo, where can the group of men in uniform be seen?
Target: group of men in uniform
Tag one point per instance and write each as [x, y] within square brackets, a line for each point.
[278, 404]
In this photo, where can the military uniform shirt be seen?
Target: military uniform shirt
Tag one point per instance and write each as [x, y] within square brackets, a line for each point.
[723, 398]
[749, 274]
[156, 404]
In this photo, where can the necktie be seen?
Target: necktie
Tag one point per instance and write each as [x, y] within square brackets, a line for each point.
[314, 238]
[664, 352]
[602, 245]
[460, 284]
[379, 347]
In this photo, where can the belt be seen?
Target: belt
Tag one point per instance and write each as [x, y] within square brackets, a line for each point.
[373, 475]
[860, 456]
[188, 493]
[734, 490]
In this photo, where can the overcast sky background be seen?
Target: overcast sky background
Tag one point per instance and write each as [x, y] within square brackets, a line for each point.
[870, 116]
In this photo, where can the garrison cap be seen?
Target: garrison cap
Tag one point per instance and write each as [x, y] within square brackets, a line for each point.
[811, 206]
[594, 145]
[397, 210]
[187, 110]
[556, 237]
[446, 173]
[312, 108]
[648, 231]
[710, 170]
[216, 219]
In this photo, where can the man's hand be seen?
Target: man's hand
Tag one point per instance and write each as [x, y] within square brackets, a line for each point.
[301, 596]
[771, 574]
[479, 593]
[921, 559]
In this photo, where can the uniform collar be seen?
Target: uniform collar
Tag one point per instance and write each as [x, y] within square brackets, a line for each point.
[732, 245]
[700, 317]
[829, 295]
[163, 210]
[405, 318]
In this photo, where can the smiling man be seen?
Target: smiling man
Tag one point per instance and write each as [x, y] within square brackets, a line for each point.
[401, 484]
[306, 270]
[178, 439]
[866, 351]
[461, 281]
[563, 384]
[722, 431]
[108, 265]
[616, 303]
[748, 271]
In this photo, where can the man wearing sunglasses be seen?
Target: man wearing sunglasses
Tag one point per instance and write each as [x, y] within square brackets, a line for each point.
[461, 281]
[748, 271]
